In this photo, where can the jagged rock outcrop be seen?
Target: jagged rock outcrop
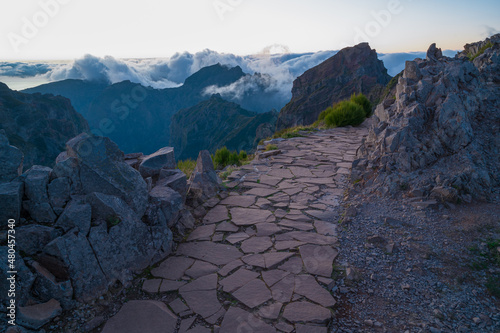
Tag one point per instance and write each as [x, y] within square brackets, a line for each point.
[436, 134]
[204, 181]
[92, 220]
[215, 123]
[38, 125]
[352, 70]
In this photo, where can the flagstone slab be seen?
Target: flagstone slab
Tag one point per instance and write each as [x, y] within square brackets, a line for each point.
[305, 226]
[272, 276]
[325, 215]
[287, 245]
[318, 260]
[226, 226]
[203, 302]
[215, 317]
[151, 286]
[261, 192]
[301, 172]
[169, 286]
[267, 229]
[237, 237]
[250, 216]
[298, 216]
[238, 320]
[282, 291]
[271, 311]
[201, 268]
[239, 200]
[208, 282]
[230, 267]
[253, 293]
[216, 214]
[292, 191]
[326, 228]
[281, 173]
[268, 180]
[142, 316]
[256, 244]
[203, 232]
[306, 312]
[217, 254]
[237, 279]
[262, 203]
[311, 237]
[178, 306]
[293, 265]
[307, 286]
[173, 268]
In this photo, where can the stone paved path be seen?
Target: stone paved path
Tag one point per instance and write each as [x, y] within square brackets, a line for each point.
[262, 259]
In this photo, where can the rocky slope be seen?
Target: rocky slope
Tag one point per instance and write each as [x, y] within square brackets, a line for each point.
[95, 220]
[216, 123]
[39, 125]
[352, 70]
[436, 134]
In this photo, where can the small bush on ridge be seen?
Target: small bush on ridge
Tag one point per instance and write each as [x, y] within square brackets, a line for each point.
[345, 114]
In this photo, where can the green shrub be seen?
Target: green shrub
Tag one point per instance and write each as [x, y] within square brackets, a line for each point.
[271, 147]
[294, 132]
[187, 166]
[324, 113]
[364, 102]
[481, 51]
[243, 155]
[224, 157]
[345, 113]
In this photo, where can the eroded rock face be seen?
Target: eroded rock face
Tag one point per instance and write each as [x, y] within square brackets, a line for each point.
[352, 70]
[436, 133]
[204, 180]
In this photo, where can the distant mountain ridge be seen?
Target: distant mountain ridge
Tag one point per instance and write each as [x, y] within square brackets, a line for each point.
[39, 125]
[215, 123]
[352, 70]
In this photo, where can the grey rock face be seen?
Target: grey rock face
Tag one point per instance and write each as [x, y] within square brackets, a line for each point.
[204, 182]
[33, 238]
[440, 130]
[169, 201]
[102, 169]
[47, 286]
[175, 179]
[74, 250]
[152, 164]
[75, 215]
[35, 187]
[59, 193]
[11, 160]
[11, 196]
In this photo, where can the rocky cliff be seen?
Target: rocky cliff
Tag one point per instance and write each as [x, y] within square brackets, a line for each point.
[97, 218]
[39, 125]
[216, 123]
[352, 70]
[436, 134]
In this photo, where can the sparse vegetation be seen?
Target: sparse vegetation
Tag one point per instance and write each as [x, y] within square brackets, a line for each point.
[481, 51]
[224, 157]
[487, 258]
[112, 220]
[350, 112]
[294, 132]
[344, 114]
[271, 147]
[187, 166]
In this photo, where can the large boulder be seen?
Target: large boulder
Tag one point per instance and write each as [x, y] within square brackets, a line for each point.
[47, 286]
[436, 131]
[102, 169]
[11, 159]
[11, 198]
[36, 180]
[204, 182]
[74, 251]
[151, 165]
[33, 238]
[76, 215]
[59, 193]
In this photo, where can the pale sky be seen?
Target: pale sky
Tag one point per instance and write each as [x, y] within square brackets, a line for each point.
[68, 29]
